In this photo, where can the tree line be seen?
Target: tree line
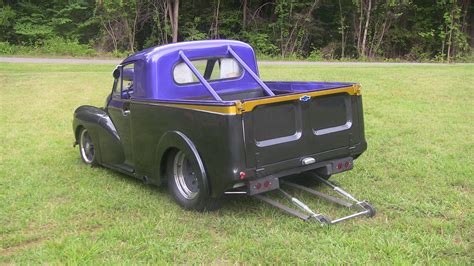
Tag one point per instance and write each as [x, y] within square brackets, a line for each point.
[319, 29]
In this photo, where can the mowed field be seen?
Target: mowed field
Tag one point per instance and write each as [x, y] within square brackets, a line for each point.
[418, 172]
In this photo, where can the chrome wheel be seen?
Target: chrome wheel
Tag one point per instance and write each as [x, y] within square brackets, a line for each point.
[87, 147]
[185, 177]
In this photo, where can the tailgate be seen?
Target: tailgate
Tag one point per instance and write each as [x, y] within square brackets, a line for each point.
[295, 126]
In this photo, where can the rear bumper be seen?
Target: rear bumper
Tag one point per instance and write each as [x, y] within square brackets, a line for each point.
[295, 166]
[327, 162]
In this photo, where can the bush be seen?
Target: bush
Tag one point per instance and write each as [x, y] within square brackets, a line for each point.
[6, 48]
[418, 54]
[261, 43]
[53, 46]
[315, 55]
[59, 46]
[328, 52]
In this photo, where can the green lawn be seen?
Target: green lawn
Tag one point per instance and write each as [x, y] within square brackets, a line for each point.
[418, 172]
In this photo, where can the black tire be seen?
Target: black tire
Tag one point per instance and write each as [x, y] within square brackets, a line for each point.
[186, 185]
[86, 148]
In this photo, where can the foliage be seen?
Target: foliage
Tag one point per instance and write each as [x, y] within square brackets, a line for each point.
[6, 48]
[315, 55]
[365, 29]
[52, 46]
[192, 32]
[261, 42]
[60, 46]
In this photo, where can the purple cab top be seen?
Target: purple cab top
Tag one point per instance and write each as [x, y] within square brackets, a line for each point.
[153, 69]
[186, 71]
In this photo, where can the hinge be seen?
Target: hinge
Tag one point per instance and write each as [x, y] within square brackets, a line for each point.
[357, 89]
[240, 107]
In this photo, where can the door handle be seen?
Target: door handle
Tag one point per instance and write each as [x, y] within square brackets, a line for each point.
[125, 112]
[126, 108]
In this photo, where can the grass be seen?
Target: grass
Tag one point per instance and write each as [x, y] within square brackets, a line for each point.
[418, 173]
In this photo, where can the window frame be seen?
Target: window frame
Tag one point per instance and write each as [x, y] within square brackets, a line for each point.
[118, 88]
[117, 82]
[208, 80]
[121, 80]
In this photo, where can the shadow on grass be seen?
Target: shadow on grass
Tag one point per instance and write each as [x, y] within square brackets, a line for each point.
[242, 207]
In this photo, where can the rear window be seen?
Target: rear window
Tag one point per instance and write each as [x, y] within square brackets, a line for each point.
[211, 69]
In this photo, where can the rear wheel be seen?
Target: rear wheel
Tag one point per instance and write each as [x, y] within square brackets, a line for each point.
[86, 148]
[186, 185]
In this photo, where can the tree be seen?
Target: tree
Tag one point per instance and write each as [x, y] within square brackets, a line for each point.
[372, 21]
[407, 29]
[342, 30]
[7, 17]
[173, 11]
[293, 22]
[244, 14]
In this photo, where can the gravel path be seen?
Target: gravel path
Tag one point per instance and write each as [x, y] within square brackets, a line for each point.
[117, 61]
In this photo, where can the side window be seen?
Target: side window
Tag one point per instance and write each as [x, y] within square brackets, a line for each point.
[127, 80]
[117, 81]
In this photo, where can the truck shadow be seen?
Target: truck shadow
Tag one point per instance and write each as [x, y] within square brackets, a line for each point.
[233, 206]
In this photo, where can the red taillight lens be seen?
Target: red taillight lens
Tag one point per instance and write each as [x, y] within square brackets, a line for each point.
[347, 164]
[242, 175]
[266, 184]
[339, 166]
[258, 185]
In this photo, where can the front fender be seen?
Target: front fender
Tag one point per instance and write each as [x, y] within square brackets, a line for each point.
[107, 142]
[177, 140]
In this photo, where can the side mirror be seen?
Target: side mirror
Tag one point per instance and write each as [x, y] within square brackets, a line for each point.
[116, 73]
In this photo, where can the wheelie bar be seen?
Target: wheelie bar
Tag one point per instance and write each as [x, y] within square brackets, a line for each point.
[308, 214]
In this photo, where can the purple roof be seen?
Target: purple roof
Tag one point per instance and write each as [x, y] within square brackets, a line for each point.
[188, 46]
[154, 69]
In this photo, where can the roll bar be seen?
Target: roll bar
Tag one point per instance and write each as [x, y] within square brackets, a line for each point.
[200, 77]
[247, 68]
[209, 87]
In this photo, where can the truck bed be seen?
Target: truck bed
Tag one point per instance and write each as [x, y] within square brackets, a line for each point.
[322, 120]
[278, 87]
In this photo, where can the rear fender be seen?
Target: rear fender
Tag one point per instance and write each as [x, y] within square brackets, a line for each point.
[177, 140]
[107, 142]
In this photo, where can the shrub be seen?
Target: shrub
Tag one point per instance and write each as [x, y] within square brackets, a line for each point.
[261, 43]
[315, 55]
[328, 52]
[6, 48]
[60, 46]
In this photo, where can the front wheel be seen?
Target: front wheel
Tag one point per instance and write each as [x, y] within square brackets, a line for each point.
[185, 183]
[86, 148]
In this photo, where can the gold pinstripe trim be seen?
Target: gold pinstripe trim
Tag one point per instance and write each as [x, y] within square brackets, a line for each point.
[228, 110]
[248, 106]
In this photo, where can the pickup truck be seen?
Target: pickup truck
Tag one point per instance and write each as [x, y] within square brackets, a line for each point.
[197, 116]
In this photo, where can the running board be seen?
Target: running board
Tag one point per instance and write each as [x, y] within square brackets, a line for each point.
[308, 214]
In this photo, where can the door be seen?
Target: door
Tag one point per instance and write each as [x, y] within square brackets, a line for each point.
[119, 110]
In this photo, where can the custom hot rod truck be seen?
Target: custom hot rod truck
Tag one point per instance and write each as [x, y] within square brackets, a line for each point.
[196, 115]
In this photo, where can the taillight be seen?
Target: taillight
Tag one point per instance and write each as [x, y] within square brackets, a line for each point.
[266, 184]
